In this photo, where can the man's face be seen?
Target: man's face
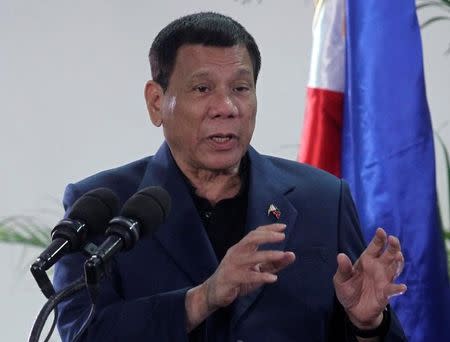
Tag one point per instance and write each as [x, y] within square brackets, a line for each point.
[208, 110]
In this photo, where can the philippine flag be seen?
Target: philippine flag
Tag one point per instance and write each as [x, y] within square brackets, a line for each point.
[321, 140]
[367, 120]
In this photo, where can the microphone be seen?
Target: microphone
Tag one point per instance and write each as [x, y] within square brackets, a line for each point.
[89, 215]
[141, 215]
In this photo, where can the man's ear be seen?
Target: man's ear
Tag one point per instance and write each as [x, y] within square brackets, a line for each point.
[153, 93]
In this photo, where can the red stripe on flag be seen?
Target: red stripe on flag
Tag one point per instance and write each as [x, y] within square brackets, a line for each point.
[320, 145]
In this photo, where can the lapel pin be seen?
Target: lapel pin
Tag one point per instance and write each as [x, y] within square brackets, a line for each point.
[274, 211]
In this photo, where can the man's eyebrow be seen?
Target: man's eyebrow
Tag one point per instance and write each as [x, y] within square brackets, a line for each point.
[199, 74]
[202, 74]
[244, 72]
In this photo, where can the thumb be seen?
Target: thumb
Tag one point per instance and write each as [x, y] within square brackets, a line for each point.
[345, 269]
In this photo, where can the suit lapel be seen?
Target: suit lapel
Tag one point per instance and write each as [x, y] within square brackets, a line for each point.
[182, 235]
[267, 187]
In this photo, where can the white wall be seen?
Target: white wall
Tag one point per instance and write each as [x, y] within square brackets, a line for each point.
[71, 102]
[71, 85]
[436, 42]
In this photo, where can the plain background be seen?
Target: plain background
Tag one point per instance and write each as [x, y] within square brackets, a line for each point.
[71, 103]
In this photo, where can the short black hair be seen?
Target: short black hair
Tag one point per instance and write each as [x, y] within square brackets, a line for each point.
[205, 28]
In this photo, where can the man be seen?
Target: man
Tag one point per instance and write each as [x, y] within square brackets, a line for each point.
[248, 252]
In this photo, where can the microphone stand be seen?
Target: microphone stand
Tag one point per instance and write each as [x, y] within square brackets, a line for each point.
[51, 304]
[38, 271]
[94, 273]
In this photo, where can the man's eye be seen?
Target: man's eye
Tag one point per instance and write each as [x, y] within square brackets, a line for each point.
[201, 89]
[241, 89]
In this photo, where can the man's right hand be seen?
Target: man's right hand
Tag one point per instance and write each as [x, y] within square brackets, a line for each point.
[243, 269]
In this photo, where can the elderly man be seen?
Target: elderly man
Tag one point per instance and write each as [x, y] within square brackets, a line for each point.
[256, 248]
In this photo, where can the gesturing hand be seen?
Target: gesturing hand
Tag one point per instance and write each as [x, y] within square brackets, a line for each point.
[364, 288]
[244, 267]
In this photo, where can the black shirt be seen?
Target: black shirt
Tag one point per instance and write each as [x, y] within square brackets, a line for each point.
[225, 225]
[225, 222]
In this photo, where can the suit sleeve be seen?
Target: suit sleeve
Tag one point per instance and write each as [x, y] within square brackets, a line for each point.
[159, 317]
[351, 242]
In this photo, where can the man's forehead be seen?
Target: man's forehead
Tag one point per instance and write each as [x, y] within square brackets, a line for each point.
[203, 47]
[203, 58]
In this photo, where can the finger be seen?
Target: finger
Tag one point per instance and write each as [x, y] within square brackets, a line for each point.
[396, 265]
[275, 227]
[261, 257]
[345, 269]
[393, 247]
[400, 265]
[376, 246]
[393, 244]
[278, 265]
[258, 237]
[254, 277]
[392, 290]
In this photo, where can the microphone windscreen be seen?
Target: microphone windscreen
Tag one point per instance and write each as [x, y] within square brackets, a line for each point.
[95, 208]
[149, 207]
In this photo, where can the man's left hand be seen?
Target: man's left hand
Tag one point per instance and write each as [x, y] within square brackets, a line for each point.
[364, 289]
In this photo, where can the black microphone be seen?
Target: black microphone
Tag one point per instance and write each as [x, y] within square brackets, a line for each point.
[141, 215]
[89, 216]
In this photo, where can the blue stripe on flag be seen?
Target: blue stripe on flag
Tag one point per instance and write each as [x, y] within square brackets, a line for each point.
[388, 155]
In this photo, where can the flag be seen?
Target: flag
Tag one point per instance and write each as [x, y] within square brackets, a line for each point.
[321, 141]
[387, 153]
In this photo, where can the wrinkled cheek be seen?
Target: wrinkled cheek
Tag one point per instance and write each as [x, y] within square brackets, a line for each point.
[171, 104]
[252, 125]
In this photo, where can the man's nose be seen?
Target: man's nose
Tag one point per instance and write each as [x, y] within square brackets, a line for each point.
[222, 104]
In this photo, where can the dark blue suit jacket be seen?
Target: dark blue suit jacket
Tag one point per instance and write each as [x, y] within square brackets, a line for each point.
[143, 300]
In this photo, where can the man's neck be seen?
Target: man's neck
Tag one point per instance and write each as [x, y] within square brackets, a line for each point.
[214, 185]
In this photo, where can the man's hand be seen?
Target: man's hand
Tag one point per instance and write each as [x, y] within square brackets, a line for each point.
[243, 269]
[364, 288]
